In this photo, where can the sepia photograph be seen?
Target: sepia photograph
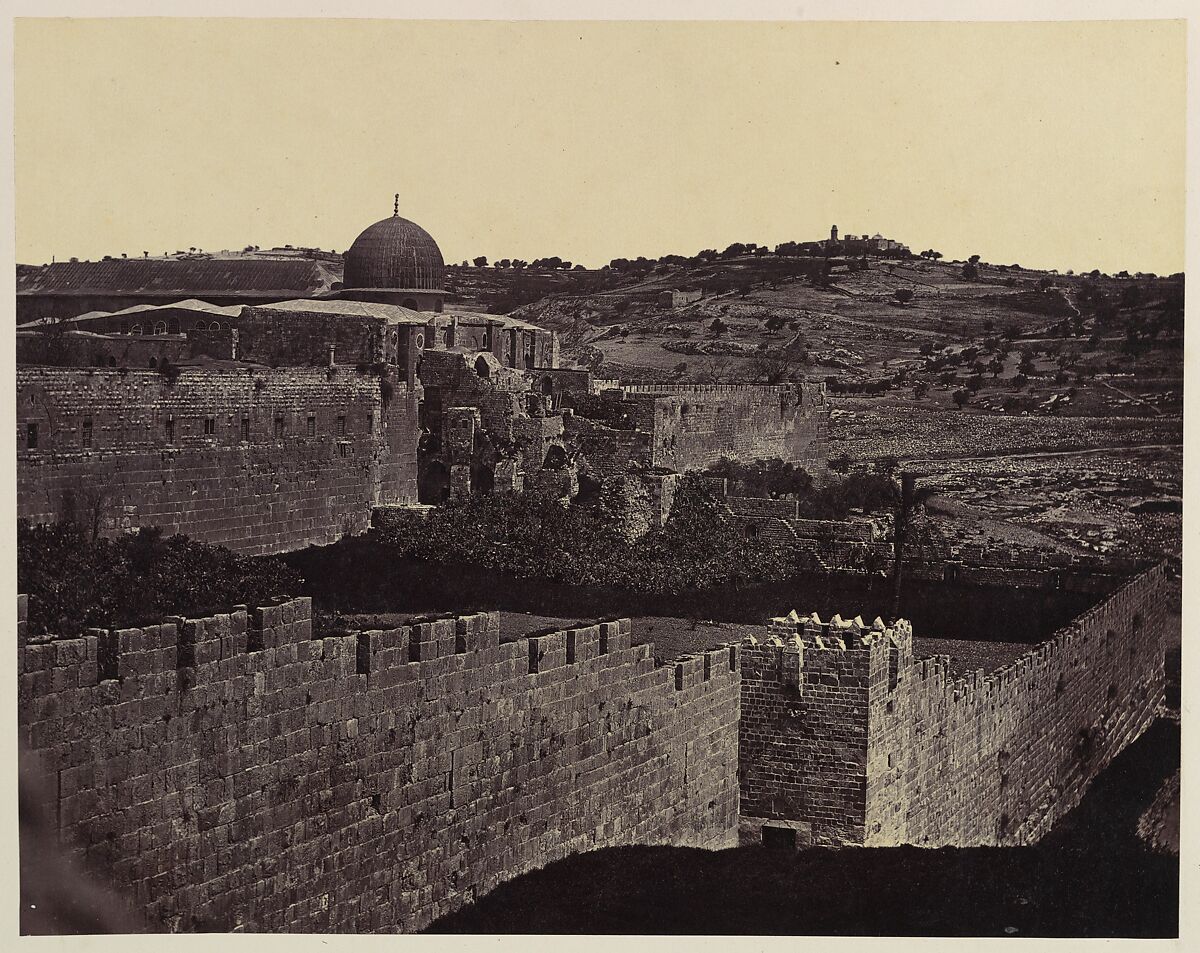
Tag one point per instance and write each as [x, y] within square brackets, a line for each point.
[541, 474]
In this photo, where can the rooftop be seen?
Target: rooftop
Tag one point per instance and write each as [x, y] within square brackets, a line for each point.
[187, 278]
[188, 304]
[392, 313]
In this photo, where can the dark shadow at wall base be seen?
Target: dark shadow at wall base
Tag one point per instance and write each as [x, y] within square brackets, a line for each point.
[1090, 878]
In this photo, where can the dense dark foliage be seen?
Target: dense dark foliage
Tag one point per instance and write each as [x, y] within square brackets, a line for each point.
[535, 536]
[74, 582]
[861, 490]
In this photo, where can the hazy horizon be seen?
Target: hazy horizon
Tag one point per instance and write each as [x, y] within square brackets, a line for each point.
[1020, 142]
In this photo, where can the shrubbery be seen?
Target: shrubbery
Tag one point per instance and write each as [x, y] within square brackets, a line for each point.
[701, 546]
[74, 582]
[870, 492]
[536, 536]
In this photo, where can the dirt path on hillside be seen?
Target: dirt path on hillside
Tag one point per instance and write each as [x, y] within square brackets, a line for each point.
[1040, 454]
[1129, 396]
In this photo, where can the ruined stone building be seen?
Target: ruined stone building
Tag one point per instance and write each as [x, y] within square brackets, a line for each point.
[272, 421]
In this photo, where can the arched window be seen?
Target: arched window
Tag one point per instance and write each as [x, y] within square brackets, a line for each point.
[201, 325]
[215, 326]
[153, 363]
[160, 327]
[112, 361]
[136, 329]
[173, 326]
[410, 304]
[448, 337]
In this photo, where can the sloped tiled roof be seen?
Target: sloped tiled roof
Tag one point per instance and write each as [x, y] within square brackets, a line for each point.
[392, 313]
[188, 278]
[189, 304]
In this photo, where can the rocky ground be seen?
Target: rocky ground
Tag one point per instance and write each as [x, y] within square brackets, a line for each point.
[1099, 485]
[1069, 434]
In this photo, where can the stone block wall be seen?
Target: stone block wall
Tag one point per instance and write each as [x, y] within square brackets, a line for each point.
[802, 740]
[234, 772]
[997, 759]
[849, 739]
[608, 451]
[255, 459]
[693, 426]
[302, 338]
[83, 349]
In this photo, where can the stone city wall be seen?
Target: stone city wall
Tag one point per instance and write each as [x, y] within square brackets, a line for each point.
[259, 460]
[694, 426]
[998, 758]
[846, 738]
[234, 772]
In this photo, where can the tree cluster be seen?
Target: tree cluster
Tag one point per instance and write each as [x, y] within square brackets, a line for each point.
[75, 581]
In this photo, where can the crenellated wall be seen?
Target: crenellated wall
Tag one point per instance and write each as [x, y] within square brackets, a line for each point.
[998, 758]
[802, 739]
[234, 772]
[847, 738]
[257, 459]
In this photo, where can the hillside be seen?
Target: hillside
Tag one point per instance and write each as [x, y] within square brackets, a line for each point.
[1037, 405]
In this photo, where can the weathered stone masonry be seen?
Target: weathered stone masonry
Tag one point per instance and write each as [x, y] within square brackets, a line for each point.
[256, 459]
[234, 772]
[998, 759]
[690, 426]
[848, 739]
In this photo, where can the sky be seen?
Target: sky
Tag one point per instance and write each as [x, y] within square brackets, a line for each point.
[1056, 145]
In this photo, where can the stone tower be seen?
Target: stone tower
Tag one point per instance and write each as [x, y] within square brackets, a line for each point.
[833, 234]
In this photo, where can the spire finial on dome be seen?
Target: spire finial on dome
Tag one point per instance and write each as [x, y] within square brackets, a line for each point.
[396, 205]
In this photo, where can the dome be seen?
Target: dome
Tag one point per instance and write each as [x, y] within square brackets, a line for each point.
[394, 253]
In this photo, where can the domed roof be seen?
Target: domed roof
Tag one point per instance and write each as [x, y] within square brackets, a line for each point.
[394, 253]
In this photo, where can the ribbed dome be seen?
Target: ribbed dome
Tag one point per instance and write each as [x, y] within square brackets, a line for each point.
[394, 253]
